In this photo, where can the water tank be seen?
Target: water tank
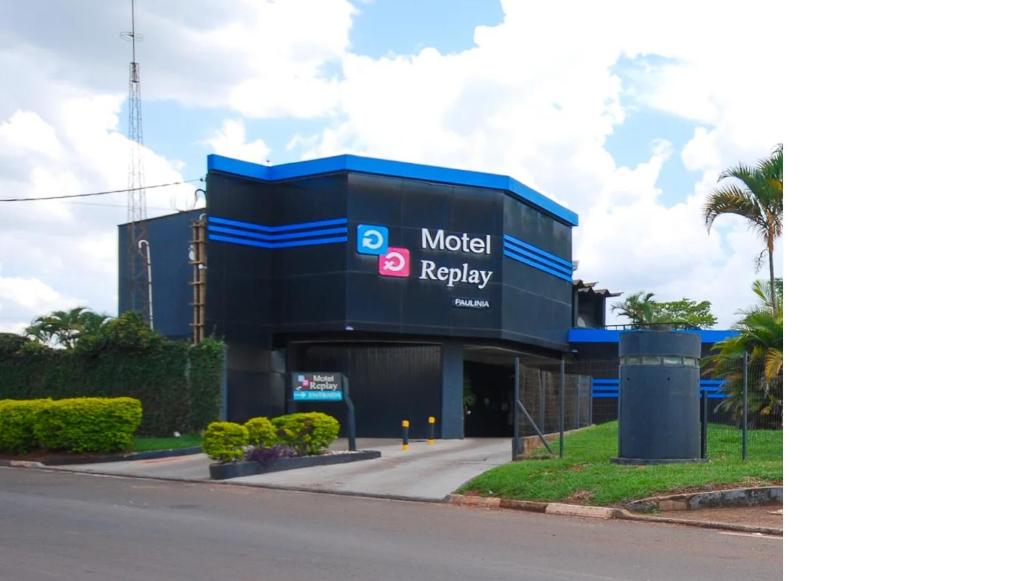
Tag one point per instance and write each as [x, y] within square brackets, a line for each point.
[659, 397]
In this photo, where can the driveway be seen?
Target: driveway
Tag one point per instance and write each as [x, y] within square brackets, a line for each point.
[423, 472]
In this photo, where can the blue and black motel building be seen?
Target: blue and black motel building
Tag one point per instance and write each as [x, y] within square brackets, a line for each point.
[420, 283]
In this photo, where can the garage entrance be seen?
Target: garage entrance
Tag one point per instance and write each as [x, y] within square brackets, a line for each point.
[487, 399]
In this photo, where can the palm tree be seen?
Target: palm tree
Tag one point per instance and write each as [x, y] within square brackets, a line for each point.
[758, 198]
[760, 336]
[638, 308]
[65, 327]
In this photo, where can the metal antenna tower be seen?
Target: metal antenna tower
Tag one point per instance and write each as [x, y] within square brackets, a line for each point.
[139, 296]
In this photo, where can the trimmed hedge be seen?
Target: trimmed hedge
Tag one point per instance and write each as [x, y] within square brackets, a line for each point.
[309, 433]
[306, 433]
[262, 433]
[177, 383]
[225, 441]
[88, 424]
[17, 419]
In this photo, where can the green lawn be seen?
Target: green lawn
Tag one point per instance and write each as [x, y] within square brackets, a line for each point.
[145, 444]
[586, 475]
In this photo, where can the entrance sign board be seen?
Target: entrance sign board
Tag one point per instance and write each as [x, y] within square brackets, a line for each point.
[317, 386]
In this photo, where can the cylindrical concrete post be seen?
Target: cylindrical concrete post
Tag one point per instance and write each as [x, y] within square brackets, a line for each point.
[659, 397]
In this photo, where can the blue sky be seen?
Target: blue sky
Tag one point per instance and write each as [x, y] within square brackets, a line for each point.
[408, 26]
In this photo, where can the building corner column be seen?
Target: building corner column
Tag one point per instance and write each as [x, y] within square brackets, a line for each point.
[452, 416]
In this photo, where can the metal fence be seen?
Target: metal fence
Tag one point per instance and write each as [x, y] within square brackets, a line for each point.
[751, 400]
[549, 401]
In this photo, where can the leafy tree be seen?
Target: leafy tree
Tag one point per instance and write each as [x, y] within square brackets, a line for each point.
[690, 313]
[637, 307]
[641, 309]
[760, 335]
[755, 193]
[761, 289]
[11, 343]
[65, 328]
[127, 332]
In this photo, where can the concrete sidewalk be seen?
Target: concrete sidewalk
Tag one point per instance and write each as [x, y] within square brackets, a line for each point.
[424, 471]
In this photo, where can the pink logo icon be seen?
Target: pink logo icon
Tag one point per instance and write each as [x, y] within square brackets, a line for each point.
[394, 262]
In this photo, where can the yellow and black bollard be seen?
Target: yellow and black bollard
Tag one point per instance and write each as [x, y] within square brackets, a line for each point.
[430, 422]
[405, 435]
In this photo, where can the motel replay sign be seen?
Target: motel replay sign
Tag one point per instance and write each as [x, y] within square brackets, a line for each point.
[464, 244]
[397, 261]
[317, 386]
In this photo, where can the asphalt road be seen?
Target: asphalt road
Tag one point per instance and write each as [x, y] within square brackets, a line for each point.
[58, 525]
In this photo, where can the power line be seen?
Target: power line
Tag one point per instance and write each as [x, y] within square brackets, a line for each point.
[94, 205]
[28, 199]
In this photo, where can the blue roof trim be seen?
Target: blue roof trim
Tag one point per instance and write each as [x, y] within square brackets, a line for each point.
[578, 335]
[386, 167]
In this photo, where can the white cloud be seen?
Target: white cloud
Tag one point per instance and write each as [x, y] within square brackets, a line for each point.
[22, 299]
[63, 252]
[257, 57]
[230, 141]
[529, 100]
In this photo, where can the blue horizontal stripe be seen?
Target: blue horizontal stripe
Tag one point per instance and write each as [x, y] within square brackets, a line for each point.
[282, 228]
[557, 259]
[311, 242]
[583, 335]
[273, 237]
[273, 245]
[605, 396]
[528, 251]
[538, 259]
[385, 167]
[534, 264]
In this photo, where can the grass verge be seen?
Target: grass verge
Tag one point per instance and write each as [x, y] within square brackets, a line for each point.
[587, 476]
[146, 444]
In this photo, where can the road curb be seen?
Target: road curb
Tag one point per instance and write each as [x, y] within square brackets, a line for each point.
[627, 515]
[485, 501]
[21, 464]
[44, 468]
[600, 512]
[730, 497]
[66, 459]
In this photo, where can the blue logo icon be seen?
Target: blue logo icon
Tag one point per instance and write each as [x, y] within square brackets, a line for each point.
[371, 239]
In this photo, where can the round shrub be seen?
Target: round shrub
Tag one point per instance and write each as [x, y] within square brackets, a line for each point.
[262, 433]
[308, 433]
[17, 419]
[225, 441]
[88, 424]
